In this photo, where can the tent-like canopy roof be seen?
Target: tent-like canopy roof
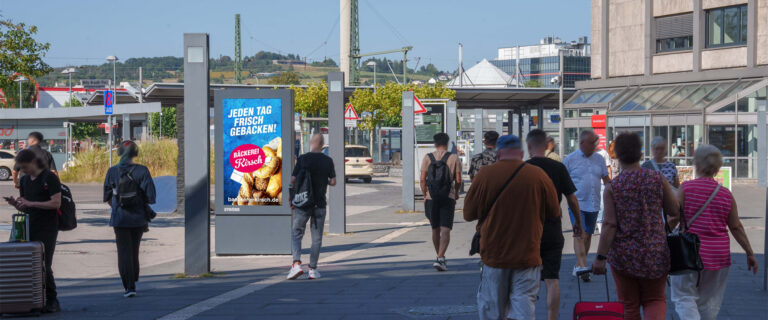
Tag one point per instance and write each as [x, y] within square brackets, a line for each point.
[483, 75]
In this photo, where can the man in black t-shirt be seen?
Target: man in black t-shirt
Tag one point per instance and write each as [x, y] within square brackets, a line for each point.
[552, 240]
[323, 174]
[40, 197]
[34, 140]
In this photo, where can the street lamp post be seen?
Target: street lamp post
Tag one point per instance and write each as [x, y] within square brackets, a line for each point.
[112, 59]
[20, 79]
[69, 72]
[373, 64]
[561, 125]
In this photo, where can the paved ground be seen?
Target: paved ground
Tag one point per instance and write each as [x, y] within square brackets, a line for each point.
[381, 269]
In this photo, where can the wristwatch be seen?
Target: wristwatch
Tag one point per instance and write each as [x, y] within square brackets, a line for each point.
[601, 257]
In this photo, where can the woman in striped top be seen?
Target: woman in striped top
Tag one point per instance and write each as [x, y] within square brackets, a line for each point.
[703, 301]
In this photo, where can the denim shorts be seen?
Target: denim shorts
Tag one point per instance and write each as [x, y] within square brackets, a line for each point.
[588, 220]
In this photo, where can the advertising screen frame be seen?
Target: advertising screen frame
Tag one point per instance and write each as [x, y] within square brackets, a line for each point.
[287, 137]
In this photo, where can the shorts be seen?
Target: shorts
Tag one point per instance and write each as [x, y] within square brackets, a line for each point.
[440, 213]
[588, 221]
[508, 293]
[551, 257]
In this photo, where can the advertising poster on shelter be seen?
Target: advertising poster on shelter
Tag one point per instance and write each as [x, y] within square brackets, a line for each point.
[252, 152]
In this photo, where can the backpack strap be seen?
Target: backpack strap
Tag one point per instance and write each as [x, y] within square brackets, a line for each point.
[480, 221]
[431, 157]
[445, 157]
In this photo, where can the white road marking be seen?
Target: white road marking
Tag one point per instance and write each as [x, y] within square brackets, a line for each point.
[210, 303]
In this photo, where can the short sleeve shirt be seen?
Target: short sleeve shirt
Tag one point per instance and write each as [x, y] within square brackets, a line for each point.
[322, 170]
[557, 172]
[41, 188]
[586, 173]
[453, 163]
[488, 156]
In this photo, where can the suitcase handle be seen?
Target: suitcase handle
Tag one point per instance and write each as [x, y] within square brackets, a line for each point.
[24, 216]
[587, 271]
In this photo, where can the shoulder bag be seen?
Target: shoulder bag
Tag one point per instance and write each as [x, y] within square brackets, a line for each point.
[475, 246]
[684, 245]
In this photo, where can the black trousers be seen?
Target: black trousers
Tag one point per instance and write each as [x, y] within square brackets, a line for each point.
[128, 240]
[48, 238]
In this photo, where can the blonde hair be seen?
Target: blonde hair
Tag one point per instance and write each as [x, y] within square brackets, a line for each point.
[708, 160]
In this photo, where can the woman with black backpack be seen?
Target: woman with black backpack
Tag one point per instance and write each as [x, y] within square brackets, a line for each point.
[129, 189]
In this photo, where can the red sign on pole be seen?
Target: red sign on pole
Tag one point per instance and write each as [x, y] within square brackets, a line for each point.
[350, 113]
[418, 107]
[599, 123]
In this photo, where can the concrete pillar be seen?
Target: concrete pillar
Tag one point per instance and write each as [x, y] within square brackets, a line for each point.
[604, 45]
[409, 148]
[500, 122]
[450, 124]
[197, 187]
[698, 34]
[478, 141]
[336, 200]
[126, 127]
[345, 14]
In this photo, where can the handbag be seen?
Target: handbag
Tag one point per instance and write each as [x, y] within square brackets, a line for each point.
[684, 245]
[475, 245]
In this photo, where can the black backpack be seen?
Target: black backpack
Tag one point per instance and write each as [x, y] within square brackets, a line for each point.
[67, 217]
[129, 193]
[302, 195]
[439, 177]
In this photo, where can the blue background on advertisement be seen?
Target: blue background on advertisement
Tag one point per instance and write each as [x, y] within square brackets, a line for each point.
[231, 188]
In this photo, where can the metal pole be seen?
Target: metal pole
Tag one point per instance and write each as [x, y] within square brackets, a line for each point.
[336, 202]
[70, 88]
[405, 67]
[20, 93]
[478, 144]
[561, 124]
[374, 78]
[197, 189]
[762, 179]
[408, 156]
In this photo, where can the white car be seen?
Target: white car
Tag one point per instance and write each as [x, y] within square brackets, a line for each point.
[6, 163]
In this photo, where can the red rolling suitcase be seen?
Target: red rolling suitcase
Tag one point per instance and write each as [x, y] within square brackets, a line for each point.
[22, 272]
[587, 310]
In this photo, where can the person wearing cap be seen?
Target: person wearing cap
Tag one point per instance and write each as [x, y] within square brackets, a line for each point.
[488, 156]
[511, 200]
[550, 151]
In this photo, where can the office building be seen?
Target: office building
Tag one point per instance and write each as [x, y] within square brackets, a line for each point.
[537, 65]
[691, 71]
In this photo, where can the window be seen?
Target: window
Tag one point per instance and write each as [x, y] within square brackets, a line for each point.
[6, 155]
[727, 26]
[674, 33]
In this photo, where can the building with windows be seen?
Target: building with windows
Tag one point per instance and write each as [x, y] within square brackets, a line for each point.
[537, 65]
[691, 71]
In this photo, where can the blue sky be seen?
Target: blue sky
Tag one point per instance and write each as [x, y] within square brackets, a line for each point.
[86, 31]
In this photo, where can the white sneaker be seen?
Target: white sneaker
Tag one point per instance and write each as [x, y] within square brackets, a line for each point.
[577, 269]
[598, 227]
[440, 265]
[314, 274]
[295, 272]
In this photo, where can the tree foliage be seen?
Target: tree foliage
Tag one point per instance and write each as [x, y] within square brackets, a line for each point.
[385, 105]
[168, 122]
[20, 54]
[287, 77]
[311, 100]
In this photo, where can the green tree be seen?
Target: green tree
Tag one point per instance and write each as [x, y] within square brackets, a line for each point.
[311, 100]
[287, 77]
[20, 54]
[168, 122]
[533, 84]
[82, 130]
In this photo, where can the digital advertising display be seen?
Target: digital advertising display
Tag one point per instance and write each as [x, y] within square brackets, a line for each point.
[253, 157]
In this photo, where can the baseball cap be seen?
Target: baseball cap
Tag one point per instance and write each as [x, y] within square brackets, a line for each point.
[508, 141]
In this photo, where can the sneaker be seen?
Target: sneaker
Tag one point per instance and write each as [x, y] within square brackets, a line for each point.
[295, 272]
[313, 274]
[598, 227]
[129, 294]
[440, 264]
[576, 269]
[52, 306]
[585, 277]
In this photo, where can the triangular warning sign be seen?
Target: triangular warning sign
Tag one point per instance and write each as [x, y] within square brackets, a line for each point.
[418, 107]
[350, 113]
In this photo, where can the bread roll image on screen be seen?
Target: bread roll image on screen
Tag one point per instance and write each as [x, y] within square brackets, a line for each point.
[275, 185]
[271, 164]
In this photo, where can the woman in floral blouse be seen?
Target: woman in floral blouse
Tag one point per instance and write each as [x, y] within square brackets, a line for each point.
[633, 239]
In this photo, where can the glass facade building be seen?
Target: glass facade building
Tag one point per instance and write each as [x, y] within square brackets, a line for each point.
[721, 113]
[543, 69]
